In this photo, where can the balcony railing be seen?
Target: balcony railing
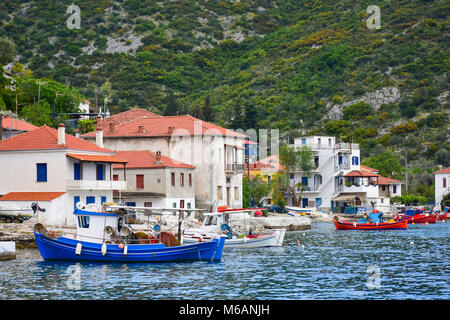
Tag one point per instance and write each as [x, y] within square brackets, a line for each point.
[234, 167]
[96, 184]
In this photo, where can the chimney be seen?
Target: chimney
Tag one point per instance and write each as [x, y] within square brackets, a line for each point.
[61, 133]
[170, 130]
[99, 133]
[158, 157]
[140, 128]
[112, 127]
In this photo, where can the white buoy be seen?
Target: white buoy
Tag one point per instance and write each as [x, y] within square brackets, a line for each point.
[103, 248]
[78, 248]
[411, 243]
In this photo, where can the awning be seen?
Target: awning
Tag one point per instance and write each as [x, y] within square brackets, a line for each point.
[96, 158]
[31, 196]
[350, 196]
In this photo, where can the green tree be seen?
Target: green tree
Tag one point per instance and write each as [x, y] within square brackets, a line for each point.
[207, 111]
[86, 126]
[172, 107]
[386, 163]
[39, 113]
[7, 51]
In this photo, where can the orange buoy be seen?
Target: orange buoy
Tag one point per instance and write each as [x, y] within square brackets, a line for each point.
[121, 245]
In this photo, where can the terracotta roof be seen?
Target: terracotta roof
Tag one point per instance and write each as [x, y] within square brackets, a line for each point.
[165, 126]
[269, 163]
[96, 158]
[145, 159]
[31, 196]
[126, 116]
[368, 169]
[446, 170]
[45, 138]
[384, 180]
[250, 142]
[358, 173]
[16, 124]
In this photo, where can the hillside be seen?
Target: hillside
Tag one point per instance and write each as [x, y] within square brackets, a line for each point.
[299, 66]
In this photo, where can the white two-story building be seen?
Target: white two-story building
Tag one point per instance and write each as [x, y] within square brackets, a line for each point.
[58, 170]
[216, 153]
[441, 185]
[338, 179]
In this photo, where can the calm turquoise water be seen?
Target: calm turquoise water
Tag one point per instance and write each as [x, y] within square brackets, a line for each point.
[332, 265]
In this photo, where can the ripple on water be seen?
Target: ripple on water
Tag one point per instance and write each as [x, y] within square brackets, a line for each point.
[331, 265]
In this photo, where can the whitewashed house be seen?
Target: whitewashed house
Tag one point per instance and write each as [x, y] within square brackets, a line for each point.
[154, 180]
[441, 185]
[215, 152]
[338, 179]
[58, 170]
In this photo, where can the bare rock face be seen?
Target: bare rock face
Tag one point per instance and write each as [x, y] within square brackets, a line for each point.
[375, 99]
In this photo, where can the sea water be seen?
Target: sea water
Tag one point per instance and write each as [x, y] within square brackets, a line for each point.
[321, 263]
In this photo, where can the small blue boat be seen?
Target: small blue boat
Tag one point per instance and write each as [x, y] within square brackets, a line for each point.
[102, 236]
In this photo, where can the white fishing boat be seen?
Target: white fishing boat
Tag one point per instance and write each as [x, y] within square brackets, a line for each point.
[217, 224]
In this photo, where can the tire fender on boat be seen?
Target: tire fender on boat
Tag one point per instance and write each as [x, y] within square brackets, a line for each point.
[125, 249]
[103, 248]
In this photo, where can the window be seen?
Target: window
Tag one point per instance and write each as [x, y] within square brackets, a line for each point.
[148, 204]
[90, 199]
[77, 171]
[115, 177]
[189, 205]
[103, 200]
[76, 199]
[182, 179]
[173, 179]
[355, 161]
[219, 193]
[319, 141]
[394, 189]
[444, 182]
[303, 140]
[383, 188]
[83, 221]
[100, 171]
[318, 202]
[181, 203]
[174, 204]
[130, 204]
[236, 193]
[190, 179]
[41, 169]
[139, 181]
[329, 142]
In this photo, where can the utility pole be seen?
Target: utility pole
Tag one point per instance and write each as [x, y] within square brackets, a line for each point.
[406, 171]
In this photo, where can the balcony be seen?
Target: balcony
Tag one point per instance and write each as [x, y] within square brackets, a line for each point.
[96, 185]
[234, 168]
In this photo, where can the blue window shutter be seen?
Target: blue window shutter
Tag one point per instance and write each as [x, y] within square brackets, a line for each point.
[103, 199]
[76, 199]
[356, 160]
[353, 161]
[90, 199]
[41, 172]
[305, 181]
[131, 204]
[100, 172]
[76, 171]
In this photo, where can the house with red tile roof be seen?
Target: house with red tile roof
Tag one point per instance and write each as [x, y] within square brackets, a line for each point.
[154, 180]
[10, 127]
[441, 185]
[338, 180]
[214, 151]
[58, 170]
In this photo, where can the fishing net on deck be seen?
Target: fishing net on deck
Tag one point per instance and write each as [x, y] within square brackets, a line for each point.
[169, 239]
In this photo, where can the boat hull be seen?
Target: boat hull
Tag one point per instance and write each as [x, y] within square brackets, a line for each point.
[65, 249]
[273, 240]
[344, 225]
[419, 218]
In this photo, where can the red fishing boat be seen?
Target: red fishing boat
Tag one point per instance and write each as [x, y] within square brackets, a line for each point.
[443, 216]
[346, 225]
[418, 218]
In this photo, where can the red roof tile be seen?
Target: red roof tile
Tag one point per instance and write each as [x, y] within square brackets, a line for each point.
[126, 116]
[45, 138]
[96, 158]
[165, 126]
[357, 173]
[384, 180]
[31, 196]
[145, 159]
[16, 124]
[269, 163]
[368, 169]
[446, 170]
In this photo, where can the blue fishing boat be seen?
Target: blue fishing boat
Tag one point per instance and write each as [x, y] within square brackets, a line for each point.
[105, 236]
